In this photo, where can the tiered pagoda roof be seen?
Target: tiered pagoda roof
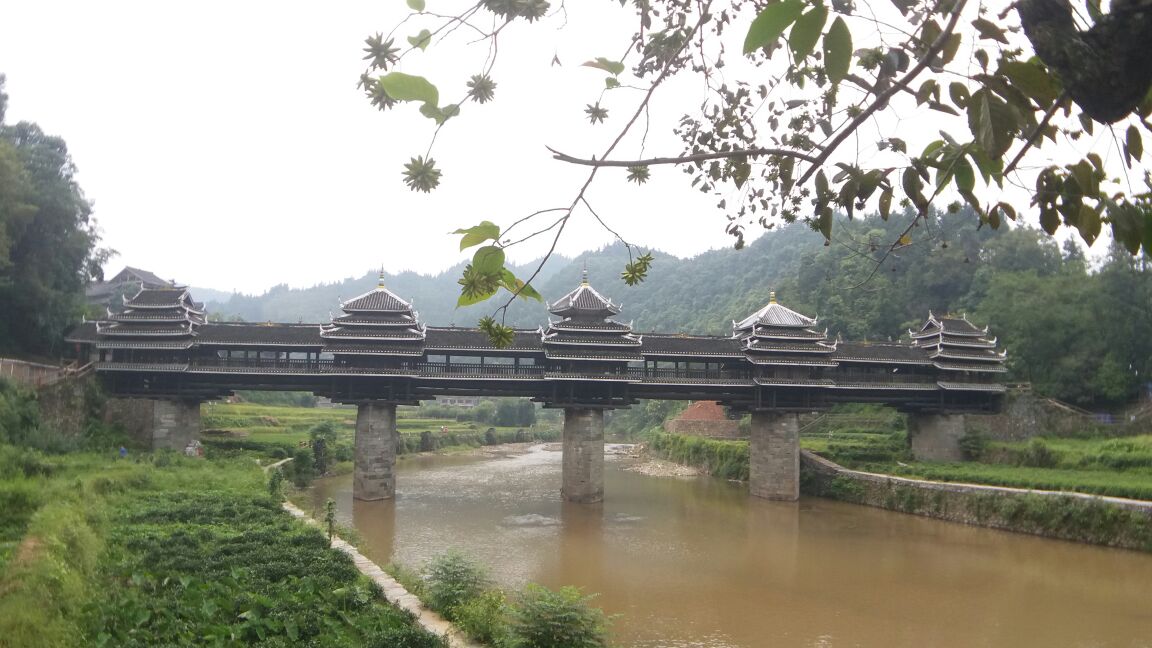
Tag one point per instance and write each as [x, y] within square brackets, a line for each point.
[777, 335]
[956, 345]
[155, 318]
[587, 331]
[377, 323]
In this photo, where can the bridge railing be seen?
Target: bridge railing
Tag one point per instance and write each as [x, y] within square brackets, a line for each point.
[512, 371]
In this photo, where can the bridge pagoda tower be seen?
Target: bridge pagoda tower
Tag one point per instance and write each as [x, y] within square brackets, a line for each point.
[595, 350]
[155, 330]
[789, 357]
[381, 333]
[969, 366]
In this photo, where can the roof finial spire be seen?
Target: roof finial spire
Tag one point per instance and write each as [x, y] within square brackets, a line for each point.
[772, 297]
[584, 274]
[380, 281]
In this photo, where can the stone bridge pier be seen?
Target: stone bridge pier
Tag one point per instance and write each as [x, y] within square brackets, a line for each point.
[936, 437]
[582, 464]
[774, 456]
[161, 424]
[374, 475]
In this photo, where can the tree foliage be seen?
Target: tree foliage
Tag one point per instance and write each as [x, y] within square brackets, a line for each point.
[48, 239]
[806, 108]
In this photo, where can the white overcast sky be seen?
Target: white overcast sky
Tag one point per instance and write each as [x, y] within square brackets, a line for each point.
[225, 144]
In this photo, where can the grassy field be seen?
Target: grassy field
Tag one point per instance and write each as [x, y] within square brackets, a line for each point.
[1119, 467]
[159, 549]
[275, 430]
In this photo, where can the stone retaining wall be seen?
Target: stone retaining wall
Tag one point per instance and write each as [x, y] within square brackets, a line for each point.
[1110, 521]
[713, 429]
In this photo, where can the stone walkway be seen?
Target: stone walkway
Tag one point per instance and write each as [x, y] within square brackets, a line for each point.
[394, 592]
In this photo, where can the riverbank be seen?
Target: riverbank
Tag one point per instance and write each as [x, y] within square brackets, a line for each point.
[162, 549]
[1108, 521]
[1016, 499]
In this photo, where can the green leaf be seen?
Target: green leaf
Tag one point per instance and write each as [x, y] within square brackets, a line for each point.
[959, 94]
[421, 40]
[518, 287]
[1032, 80]
[802, 39]
[965, 176]
[611, 67]
[837, 50]
[740, 171]
[416, 5]
[1133, 146]
[885, 203]
[407, 87]
[1127, 226]
[991, 122]
[488, 260]
[766, 29]
[486, 230]
[989, 30]
[1049, 220]
[824, 224]
[1088, 223]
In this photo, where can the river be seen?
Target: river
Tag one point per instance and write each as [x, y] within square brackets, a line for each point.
[697, 563]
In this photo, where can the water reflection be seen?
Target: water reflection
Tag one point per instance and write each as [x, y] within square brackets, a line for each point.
[695, 562]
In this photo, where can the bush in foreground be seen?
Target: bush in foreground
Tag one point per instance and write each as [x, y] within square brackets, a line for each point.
[563, 618]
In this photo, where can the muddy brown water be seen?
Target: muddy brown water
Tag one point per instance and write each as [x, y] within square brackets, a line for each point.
[697, 563]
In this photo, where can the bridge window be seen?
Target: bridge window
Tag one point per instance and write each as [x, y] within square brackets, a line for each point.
[437, 359]
[299, 355]
[324, 355]
[527, 362]
[498, 360]
[464, 359]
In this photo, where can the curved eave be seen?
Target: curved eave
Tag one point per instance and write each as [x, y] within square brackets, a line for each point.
[415, 337]
[145, 345]
[799, 382]
[975, 387]
[148, 334]
[884, 361]
[947, 366]
[548, 341]
[881, 386]
[415, 353]
[790, 362]
[592, 358]
[990, 357]
[656, 355]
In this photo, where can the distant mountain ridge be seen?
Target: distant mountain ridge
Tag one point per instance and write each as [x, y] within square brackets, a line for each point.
[679, 295]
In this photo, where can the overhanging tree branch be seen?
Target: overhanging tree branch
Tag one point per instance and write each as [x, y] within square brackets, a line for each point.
[682, 159]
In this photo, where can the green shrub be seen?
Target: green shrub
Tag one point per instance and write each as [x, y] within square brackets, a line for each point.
[485, 618]
[1039, 455]
[973, 445]
[453, 579]
[404, 637]
[303, 467]
[544, 618]
[724, 459]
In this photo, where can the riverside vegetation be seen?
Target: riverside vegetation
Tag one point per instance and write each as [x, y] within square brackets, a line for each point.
[158, 548]
[536, 617]
[320, 440]
[161, 549]
[1093, 464]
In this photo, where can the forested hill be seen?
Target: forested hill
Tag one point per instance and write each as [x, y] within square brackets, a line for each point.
[1080, 335]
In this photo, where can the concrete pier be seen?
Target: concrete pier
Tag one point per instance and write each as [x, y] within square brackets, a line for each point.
[583, 459]
[936, 437]
[374, 476]
[774, 456]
